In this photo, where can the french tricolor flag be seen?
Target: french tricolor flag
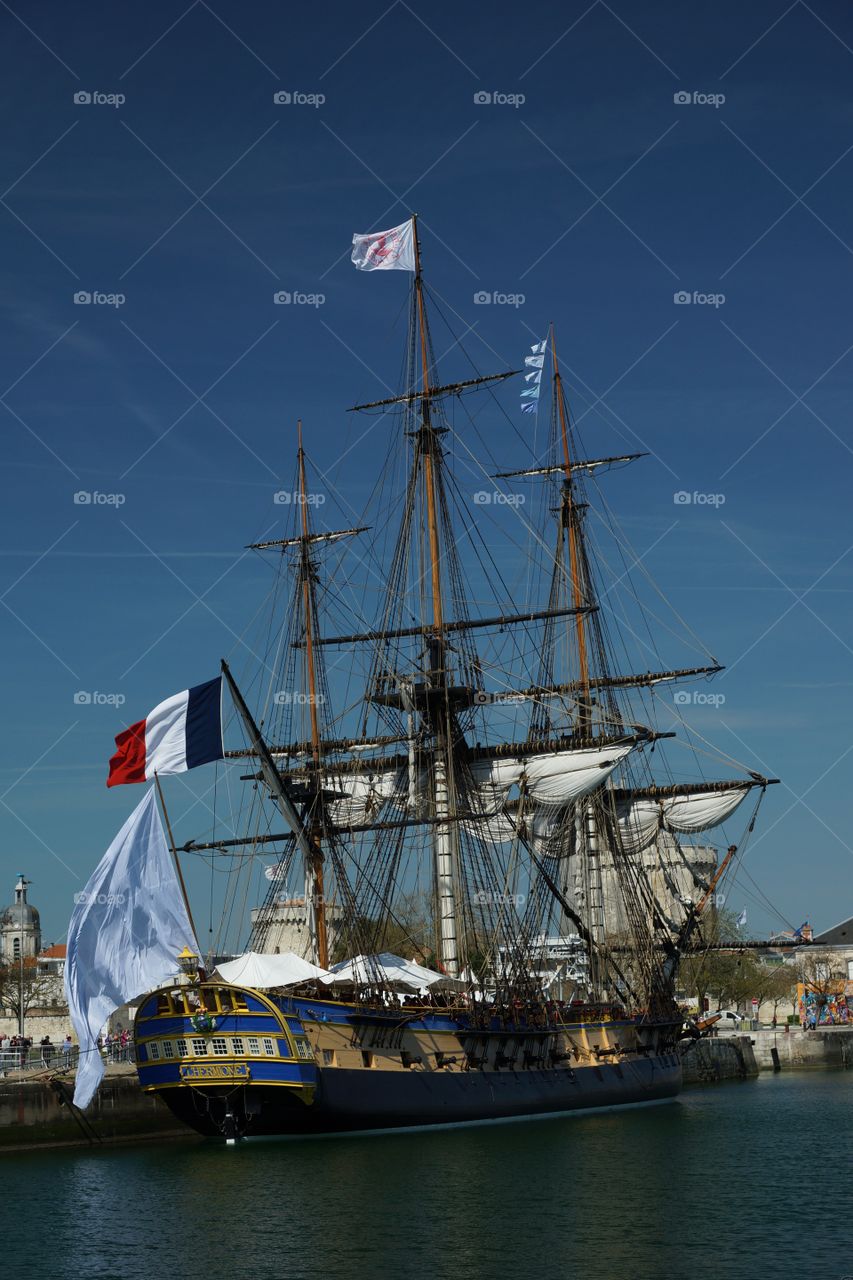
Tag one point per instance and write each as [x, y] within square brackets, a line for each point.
[180, 733]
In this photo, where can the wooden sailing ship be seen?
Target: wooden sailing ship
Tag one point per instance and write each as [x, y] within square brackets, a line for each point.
[486, 761]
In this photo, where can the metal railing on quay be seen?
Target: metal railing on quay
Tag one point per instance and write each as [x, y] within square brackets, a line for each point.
[56, 1057]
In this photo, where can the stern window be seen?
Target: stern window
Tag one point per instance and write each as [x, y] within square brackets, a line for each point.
[200, 1048]
[269, 1048]
[168, 1051]
[220, 1046]
[254, 1047]
[182, 1048]
[237, 1045]
[154, 1051]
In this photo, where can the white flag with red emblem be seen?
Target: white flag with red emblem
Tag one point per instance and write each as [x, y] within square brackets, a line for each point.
[392, 250]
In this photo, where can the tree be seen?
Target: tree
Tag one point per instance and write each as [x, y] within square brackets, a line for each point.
[822, 973]
[819, 970]
[22, 982]
[406, 932]
[776, 986]
[724, 977]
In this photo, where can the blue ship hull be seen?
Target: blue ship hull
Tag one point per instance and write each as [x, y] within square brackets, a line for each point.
[249, 1064]
[348, 1101]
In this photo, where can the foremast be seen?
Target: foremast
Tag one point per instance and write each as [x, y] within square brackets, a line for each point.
[602, 825]
[315, 897]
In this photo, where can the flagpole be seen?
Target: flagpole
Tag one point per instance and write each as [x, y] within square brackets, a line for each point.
[201, 972]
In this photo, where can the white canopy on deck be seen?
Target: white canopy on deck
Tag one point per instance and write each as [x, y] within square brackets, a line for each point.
[263, 971]
[386, 970]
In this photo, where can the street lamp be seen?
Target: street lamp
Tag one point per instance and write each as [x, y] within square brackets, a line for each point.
[188, 961]
[21, 898]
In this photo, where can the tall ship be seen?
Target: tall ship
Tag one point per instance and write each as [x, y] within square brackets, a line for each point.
[455, 781]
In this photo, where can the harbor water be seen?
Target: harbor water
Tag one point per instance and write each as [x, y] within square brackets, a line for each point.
[734, 1181]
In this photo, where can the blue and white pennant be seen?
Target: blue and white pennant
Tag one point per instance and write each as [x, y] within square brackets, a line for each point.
[535, 364]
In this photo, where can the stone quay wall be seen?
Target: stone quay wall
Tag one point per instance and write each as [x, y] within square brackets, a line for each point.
[729, 1058]
[34, 1112]
[796, 1049]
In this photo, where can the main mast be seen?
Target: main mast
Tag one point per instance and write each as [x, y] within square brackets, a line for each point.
[445, 843]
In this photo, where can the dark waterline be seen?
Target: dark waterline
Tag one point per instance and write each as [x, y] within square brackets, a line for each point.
[736, 1181]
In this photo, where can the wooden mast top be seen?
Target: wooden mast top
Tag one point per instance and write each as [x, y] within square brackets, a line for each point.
[577, 593]
[309, 623]
[429, 451]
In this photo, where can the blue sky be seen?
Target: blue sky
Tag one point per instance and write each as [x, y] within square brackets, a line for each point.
[597, 198]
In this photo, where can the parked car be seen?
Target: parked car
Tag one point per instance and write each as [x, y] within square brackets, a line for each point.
[730, 1019]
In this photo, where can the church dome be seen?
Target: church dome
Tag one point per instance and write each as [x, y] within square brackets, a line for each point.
[18, 915]
[20, 925]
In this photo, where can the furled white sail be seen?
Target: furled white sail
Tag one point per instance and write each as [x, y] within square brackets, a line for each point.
[555, 779]
[700, 812]
[641, 819]
[639, 823]
[362, 795]
[494, 780]
[496, 828]
[549, 782]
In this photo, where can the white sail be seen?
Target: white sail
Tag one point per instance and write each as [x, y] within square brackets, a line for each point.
[362, 795]
[496, 828]
[639, 823]
[555, 779]
[549, 781]
[693, 813]
[494, 780]
[641, 819]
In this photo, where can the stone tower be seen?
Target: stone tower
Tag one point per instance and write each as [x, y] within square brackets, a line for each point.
[20, 927]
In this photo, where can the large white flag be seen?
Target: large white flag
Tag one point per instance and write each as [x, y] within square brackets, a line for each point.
[126, 932]
[392, 250]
